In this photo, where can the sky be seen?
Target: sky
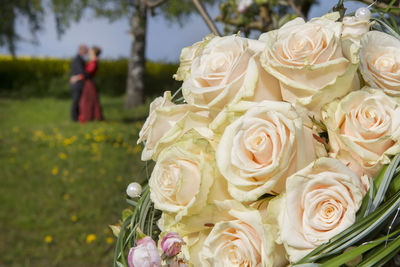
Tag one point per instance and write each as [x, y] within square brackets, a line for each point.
[115, 42]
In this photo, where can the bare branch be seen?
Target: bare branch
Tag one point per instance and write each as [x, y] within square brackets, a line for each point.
[254, 25]
[152, 4]
[375, 3]
[207, 19]
[296, 9]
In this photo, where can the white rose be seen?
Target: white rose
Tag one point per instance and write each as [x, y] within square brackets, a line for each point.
[364, 129]
[321, 201]
[167, 122]
[182, 177]
[354, 28]
[227, 70]
[187, 55]
[261, 148]
[380, 61]
[243, 240]
[310, 61]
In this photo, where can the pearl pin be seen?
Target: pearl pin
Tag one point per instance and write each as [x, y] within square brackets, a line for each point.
[363, 13]
[134, 190]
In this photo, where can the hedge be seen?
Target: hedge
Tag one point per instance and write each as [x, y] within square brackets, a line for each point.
[34, 76]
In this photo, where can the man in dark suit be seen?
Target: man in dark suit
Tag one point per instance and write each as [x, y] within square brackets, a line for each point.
[77, 68]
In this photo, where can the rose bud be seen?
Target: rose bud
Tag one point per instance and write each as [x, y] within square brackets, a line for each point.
[172, 244]
[145, 254]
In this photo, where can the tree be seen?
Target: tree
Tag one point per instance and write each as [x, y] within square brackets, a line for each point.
[265, 15]
[10, 11]
[66, 11]
[138, 11]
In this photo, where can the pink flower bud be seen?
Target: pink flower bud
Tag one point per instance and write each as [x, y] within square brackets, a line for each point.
[172, 244]
[145, 254]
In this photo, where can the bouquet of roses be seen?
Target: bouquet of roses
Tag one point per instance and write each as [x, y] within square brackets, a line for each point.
[281, 150]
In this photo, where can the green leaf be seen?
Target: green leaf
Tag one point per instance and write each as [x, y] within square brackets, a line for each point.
[115, 229]
[126, 213]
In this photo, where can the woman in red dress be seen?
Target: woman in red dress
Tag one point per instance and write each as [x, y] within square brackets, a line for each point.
[89, 104]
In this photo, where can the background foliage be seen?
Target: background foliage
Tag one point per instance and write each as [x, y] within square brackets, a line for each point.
[29, 76]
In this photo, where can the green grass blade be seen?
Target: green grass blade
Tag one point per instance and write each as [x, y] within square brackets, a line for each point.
[394, 186]
[356, 232]
[119, 248]
[375, 225]
[176, 93]
[367, 201]
[345, 257]
[393, 32]
[382, 253]
[143, 212]
[389, 173]
[131, 202]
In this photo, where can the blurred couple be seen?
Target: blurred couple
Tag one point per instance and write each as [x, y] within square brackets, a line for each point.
[85, 101]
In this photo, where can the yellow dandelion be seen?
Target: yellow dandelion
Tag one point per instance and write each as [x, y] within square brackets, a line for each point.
[88, 136]
[54, 171]
[119, 178]
[109, 240]
[27, 165]
[14, 149]
[59, 136]
[66, 196]
[116, 145]
[74, 218]
[90, 238]
[48, 239]
[137, 149]
[62, 155]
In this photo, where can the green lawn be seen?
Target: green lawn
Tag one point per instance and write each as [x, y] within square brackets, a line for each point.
[63, 183]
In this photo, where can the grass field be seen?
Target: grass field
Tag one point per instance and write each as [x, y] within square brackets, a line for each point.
[62, 183]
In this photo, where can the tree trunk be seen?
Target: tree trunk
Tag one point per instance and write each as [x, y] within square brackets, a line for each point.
[137, 61]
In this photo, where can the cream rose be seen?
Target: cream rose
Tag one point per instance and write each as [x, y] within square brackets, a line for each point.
[260, 149]
[187, 55]
[380, 61]
[227, 70]
[321, 201]
[354, 28]
[167, 122]
[310, 61]
[182, 177]
[364, 129]
[194, 230]
[207, 236]
[243, 240]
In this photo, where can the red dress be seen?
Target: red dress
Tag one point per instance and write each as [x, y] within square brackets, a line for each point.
[89, 104]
